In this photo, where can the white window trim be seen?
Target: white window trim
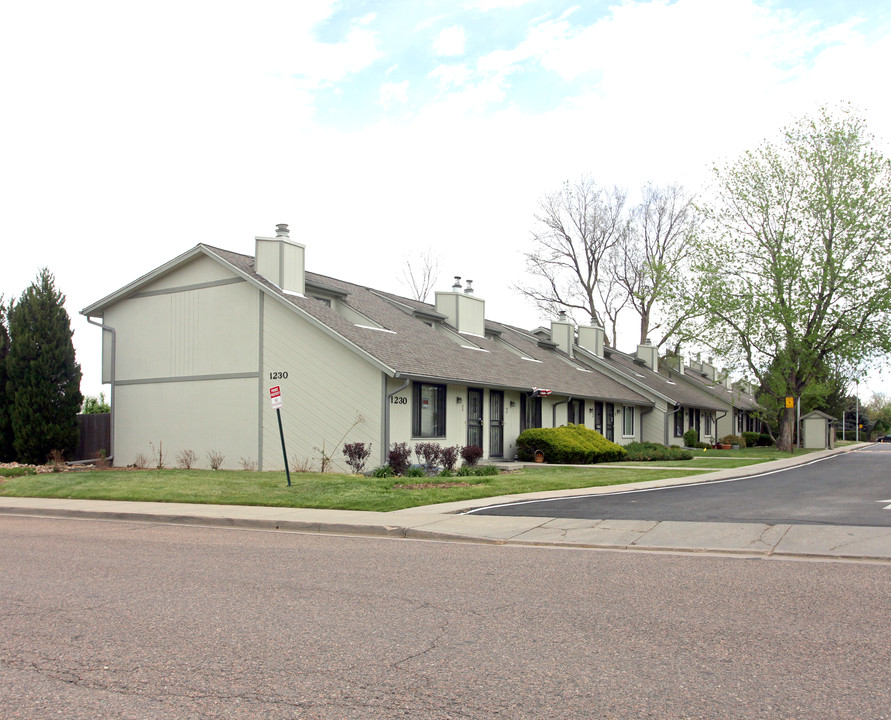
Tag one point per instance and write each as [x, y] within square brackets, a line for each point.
[624, 408]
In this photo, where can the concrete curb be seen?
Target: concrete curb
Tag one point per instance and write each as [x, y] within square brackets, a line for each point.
[452, 522]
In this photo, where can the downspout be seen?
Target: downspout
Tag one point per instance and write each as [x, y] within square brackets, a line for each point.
[554, 409]
[676, 410]
[114, 338]
[402, 387]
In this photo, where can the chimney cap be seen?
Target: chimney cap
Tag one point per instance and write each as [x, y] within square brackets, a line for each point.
[281, 230]
[468, 290]
[457, 285]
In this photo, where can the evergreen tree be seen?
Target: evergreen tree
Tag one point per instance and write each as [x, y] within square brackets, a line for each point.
[44, 377]
[6, 450]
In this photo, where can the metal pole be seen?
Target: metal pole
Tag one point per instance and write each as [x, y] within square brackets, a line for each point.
[857, 424]
[281, 434]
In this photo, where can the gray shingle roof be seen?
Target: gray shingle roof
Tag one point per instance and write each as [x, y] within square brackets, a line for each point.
[412, 348]
[665, 383]
[734, 396]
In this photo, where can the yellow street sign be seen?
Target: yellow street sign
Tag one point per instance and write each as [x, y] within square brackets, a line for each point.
[790, 402]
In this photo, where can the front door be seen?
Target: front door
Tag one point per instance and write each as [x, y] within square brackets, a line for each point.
[475, 417]
[610, 418]
[496, 423]
[598, 416]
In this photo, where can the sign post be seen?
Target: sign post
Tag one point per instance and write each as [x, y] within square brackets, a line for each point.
[790, 404]
[275, 395]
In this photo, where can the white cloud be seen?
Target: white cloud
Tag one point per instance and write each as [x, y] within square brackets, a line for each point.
[450, 41]
[393, 93]
[140, 133]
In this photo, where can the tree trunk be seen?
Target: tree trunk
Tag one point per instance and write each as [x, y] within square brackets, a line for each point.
[784, 439]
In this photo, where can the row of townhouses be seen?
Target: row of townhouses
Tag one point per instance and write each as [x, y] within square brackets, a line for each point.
[192, 349]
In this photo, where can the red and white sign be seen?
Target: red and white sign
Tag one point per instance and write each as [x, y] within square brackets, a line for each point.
[275, 395]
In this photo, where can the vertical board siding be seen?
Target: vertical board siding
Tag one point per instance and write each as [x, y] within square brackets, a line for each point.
[327, 388]
[197, 332]
[202, 416]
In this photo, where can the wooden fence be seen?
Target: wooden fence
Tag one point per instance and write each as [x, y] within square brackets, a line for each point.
[95, 436]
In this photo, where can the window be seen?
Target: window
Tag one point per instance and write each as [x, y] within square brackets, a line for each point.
[628, 420]
[679, 423]
[575, 412]
[530, 412]
[708, 423]
[428, 410]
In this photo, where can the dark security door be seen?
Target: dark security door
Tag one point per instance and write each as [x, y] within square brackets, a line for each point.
[598, 416]
[496, 423]
[610, 421]
[475, 417]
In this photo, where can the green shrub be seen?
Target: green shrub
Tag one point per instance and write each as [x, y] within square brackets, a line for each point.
[733, 440]
[764, 440]
[751, 438]
[384, 471]
[647, 451]
[414, 471]
[571, 444]
[702, 446]
[691, 437]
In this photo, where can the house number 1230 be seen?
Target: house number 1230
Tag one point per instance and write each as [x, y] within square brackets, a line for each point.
[278, 375]
[396, 400]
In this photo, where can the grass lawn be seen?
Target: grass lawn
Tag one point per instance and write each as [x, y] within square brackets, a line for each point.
[312, 490]
[722, 459]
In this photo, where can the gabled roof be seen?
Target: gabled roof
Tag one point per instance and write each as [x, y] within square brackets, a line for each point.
[730, 396]
[407, 338]
[665, 386]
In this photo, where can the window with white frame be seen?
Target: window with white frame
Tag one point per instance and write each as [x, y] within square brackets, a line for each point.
[708, 424]
[628, 421]
[428, 411]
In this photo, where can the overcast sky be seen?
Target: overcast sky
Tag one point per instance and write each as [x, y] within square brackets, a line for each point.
[377, 129]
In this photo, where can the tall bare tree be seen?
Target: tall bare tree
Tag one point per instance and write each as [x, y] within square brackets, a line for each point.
[575, 230]
[648, 264]
[421, 273]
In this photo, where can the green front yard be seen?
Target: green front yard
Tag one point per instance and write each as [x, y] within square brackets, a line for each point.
[353, 492]
[312, 490]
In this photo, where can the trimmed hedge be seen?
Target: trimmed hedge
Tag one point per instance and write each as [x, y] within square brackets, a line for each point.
[751, 438]
[571, 444]
[647, 451]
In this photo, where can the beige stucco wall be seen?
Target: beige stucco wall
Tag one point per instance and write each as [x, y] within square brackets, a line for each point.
[328, 387]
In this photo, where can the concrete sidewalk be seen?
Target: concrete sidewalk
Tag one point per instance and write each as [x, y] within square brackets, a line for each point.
[450, 522]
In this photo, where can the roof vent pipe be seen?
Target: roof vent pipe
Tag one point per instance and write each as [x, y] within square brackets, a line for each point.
[281, 230]
[468, 290]
[457, 286]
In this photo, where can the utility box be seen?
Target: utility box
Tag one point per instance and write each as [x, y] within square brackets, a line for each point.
[817, 431]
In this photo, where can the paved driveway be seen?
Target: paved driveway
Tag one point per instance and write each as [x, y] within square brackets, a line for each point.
[853, 488]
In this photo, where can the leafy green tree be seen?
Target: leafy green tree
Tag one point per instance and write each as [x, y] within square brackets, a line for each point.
[44, 377]
[95, 405]
[794, 271]
[6, 448]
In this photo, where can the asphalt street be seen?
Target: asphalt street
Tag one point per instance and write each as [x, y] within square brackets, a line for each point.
[849, 489]
[131, 620]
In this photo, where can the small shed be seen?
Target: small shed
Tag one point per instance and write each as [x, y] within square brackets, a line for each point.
[817, 431]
